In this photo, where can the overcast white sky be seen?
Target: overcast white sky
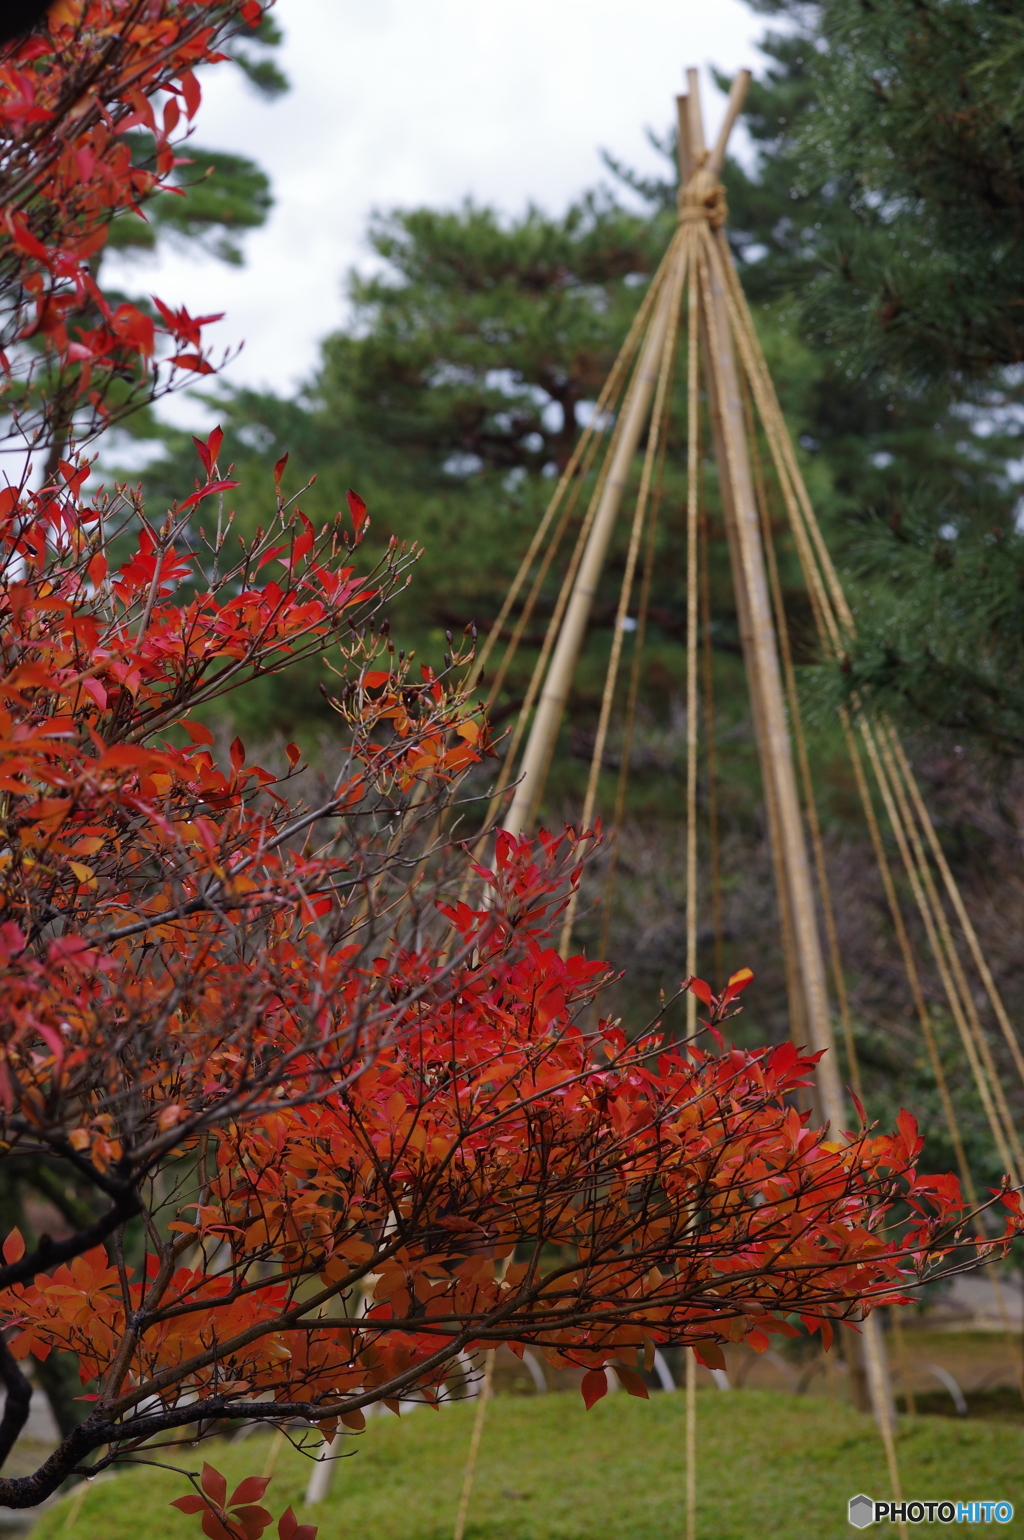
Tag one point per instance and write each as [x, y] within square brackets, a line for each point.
[427, 102]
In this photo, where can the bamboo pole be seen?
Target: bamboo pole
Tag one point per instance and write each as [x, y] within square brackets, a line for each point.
[800, 744]
[571, 480]
[648, 479]
[692, 599]
[733, 108]
[750, 578]
[691, 1445]
[555, 691]
[711, 752]
[631, 704]
[953, 890]
[794, 990]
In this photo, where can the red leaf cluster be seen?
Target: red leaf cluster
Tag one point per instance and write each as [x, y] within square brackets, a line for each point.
[238, 1517]
[354, 1111]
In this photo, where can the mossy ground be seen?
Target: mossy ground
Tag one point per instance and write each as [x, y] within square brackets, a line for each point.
[769, 1464]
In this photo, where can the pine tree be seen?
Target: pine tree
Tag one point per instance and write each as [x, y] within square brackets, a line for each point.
[908, 146]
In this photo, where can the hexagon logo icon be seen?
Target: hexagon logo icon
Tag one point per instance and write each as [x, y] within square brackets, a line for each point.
[862, 1511]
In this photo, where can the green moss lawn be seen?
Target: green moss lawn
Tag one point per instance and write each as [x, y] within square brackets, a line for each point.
[770, 1464]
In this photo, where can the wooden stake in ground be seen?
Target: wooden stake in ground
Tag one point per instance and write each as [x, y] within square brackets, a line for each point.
[474, 1444]
[691, 1445]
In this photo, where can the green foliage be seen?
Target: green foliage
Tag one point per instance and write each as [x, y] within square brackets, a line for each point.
[248, 48]
[484, 339]
[918, 127]
[886, 209]
[940, 627]
[222, 196]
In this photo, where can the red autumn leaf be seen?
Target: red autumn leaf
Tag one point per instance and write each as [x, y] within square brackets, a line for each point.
[288, 1528]
[249, 1491]
[191, 90]
[209, 451]
[702, 991]
[194, 362]
[303, 543]
[593, 1386]
[214, 1485]
[214, 1526]
[738, 983]
[190, 1504]
[912, 1141]
[208, 491]
[631, 1381]
[357, 508]
[709, 1354]
[252, 1519]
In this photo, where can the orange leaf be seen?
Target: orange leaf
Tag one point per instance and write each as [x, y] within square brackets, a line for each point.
[738, 982]
[14, 1246]
[709, 1354]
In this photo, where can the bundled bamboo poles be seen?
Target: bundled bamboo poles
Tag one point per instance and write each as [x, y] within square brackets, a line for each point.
[696, 288]
[737, 384]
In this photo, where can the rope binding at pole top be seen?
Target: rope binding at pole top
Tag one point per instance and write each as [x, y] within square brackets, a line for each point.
[703, 197]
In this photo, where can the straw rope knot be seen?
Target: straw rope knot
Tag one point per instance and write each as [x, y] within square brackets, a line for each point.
[703, 197]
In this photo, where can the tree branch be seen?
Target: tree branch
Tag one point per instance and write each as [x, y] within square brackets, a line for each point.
[50, 1253]
[19, 1398]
